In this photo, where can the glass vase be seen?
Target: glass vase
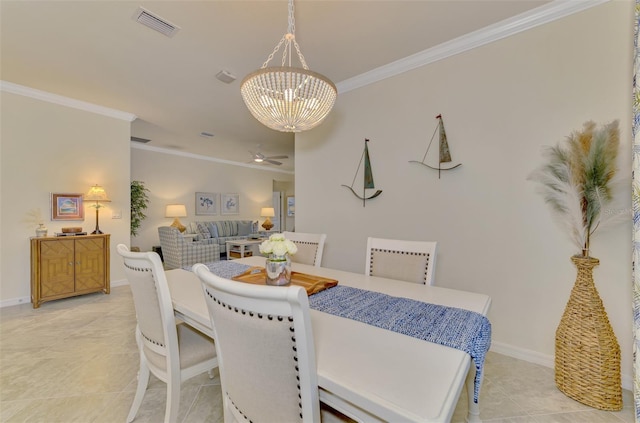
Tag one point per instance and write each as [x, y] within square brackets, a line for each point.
[278, 270]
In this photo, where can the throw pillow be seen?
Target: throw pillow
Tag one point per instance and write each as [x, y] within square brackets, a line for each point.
[234, 227]
[223, 228]
[213, 229]
[203, 231]
[192, 228]
[244, 227]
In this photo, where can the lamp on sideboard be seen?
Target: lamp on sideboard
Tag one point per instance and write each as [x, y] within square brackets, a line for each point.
[97, 194]
[267, 212]
[176, 211]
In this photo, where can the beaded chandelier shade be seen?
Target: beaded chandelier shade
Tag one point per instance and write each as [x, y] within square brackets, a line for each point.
[287, 98]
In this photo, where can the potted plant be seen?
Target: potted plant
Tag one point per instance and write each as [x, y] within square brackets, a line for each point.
[576, 182]
[139, 203]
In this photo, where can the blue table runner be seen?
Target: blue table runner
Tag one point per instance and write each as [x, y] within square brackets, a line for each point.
[449, 326]
[224, 268]
[457, 328]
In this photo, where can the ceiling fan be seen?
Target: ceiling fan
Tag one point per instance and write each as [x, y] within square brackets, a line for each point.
[258, 157]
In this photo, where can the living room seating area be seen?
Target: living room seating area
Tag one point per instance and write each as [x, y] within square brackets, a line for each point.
[222, 231]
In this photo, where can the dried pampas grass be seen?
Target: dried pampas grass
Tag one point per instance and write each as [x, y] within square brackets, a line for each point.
[577, 179]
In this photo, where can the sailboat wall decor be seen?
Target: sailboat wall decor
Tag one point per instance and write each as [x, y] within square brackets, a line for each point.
[443, 149]
[368, 177]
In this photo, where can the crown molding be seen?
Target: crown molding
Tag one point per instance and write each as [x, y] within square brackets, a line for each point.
[539, 16]
[206, 158]
[12, 88]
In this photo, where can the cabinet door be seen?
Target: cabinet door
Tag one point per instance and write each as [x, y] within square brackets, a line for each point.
[56, 268]
[90, 264]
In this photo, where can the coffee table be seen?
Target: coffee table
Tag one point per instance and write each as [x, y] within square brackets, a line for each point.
[241, 248]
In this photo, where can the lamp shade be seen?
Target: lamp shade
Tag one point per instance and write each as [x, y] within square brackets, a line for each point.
[267, 212]
[97, 193]
[176, 210]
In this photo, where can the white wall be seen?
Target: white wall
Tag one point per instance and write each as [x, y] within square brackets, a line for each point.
[501, 103]
[173, 178]
[45, 148]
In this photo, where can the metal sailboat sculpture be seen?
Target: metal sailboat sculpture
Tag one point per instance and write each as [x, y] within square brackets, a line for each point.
[368, 177]
[443, 149]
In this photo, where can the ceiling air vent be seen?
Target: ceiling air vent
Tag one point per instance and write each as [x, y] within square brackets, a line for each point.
[155, 22]
[142, 140]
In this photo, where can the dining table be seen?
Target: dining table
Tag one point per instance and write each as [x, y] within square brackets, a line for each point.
[369, 373]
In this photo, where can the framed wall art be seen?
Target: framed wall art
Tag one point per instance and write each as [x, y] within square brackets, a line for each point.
[291, 206]
[206, 203]
[67, 207]
[229, 204]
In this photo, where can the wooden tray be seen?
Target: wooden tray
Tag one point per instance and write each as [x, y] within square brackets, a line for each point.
[313, 284]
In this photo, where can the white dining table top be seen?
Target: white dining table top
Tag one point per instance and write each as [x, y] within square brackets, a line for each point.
[385, 374]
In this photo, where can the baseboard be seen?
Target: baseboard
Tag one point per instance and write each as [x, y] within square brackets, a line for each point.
[25, 300]
[14, 301]
[546, 360]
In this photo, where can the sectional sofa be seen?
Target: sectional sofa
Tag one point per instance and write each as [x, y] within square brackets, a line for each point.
[223, 230]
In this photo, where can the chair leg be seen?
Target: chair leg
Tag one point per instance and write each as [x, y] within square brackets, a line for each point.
[173, 399]
[143, 382]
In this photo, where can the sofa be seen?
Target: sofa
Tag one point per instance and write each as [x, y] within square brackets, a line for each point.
[222, 231]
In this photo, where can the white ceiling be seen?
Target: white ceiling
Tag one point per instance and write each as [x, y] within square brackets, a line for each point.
[95, 52]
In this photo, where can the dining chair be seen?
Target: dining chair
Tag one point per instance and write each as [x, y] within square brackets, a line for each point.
[172, 352]
[412, 261]
[265, 350]
[310, 247]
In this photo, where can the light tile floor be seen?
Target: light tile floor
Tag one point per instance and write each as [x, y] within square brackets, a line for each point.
[75, 360]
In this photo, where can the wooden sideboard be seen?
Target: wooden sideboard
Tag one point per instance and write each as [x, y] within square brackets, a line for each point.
[64, 267]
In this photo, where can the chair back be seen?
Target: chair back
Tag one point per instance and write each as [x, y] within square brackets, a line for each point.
[156, 329]
[265, 349]
[310, 247]
[411, 261]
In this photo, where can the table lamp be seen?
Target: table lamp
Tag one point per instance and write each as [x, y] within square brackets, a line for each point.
[267, 212]
[97, 194]
[176, 211]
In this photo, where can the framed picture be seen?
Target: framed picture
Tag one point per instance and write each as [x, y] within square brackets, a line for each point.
[229, 204]
[66, 207]
[291, 206]
[206, 203]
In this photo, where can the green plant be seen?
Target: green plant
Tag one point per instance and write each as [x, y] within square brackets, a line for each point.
[139, 202]
[576, 180]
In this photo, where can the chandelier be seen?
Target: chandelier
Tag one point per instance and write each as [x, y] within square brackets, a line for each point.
[287, 98]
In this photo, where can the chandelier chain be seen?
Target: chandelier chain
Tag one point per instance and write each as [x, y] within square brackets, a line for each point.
[287, 39]
[292, 19]
[275, 50]
[287, 98]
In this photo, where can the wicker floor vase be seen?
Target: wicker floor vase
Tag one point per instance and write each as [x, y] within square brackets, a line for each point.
[587, 356]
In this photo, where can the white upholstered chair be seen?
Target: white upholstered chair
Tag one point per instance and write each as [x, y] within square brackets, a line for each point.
[172, 352]
[265, 350]
[310, 247]
[412, 261]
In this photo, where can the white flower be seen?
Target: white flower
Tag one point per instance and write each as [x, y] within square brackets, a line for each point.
[278, 245]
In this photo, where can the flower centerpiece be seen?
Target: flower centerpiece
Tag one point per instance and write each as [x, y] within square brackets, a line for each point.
[278, 264]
